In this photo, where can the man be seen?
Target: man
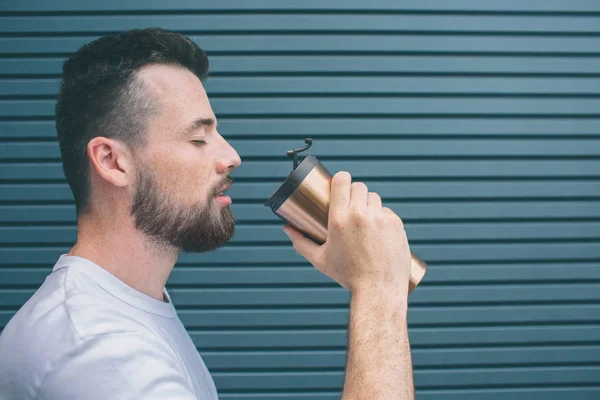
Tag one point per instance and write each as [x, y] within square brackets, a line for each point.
[148, 170]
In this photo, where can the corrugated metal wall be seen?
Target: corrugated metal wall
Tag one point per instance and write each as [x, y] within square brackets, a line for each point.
[478, 121]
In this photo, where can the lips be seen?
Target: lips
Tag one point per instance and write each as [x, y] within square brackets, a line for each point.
[222, 192]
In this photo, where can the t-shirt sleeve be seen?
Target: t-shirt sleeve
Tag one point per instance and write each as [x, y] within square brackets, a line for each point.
[118, 366]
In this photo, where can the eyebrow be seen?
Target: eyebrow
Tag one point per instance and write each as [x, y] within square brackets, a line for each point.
[199, 123]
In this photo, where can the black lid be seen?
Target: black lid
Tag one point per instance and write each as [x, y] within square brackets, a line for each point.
[291, 183]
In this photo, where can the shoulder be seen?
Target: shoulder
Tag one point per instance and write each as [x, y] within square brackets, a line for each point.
[69, 307]
[116, 365]
[35, 336]
[71, 325]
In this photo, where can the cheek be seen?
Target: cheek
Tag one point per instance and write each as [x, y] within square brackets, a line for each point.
[185, 177]
[189, 183]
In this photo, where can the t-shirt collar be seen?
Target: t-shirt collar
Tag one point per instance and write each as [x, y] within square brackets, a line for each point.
[116, 287]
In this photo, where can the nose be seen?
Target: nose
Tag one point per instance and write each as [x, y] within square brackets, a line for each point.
[229, 159]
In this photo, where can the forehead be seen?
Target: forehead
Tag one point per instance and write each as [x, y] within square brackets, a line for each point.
[180, 96]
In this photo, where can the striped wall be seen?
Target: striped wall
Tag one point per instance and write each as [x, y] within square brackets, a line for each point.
[477, 121]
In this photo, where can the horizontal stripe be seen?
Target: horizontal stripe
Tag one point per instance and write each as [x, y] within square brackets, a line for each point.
[455, 232]
[430, 379]
[436, 358]
[360, 169]
[301, 23]
[362, 106]
[405, 86]
[425, 295]
[420, 337]
[536, 392]
[381, 5]
[329, 64]
[389, 191]
[518, 273]
[431, 253]
[334, 296]
[418, 316]
[411, 212]
[339, 147]
[343, 127]
[335, 43]
[284, 254]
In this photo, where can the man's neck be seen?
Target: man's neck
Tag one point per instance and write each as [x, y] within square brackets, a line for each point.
[126, 254]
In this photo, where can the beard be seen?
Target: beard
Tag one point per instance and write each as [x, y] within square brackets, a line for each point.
[197, 228]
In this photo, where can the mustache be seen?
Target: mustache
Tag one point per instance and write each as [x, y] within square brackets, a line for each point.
[227, 181]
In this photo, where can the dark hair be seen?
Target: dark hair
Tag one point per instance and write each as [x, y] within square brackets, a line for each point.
[100, 94]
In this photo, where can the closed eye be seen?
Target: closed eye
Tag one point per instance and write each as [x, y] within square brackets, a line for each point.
[199, 142]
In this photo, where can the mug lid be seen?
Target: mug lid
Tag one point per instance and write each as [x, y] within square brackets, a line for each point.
[291, 183]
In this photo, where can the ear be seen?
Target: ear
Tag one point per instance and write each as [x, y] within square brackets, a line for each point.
[111, 160]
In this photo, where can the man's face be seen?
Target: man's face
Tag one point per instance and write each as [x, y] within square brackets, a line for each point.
[183, 167]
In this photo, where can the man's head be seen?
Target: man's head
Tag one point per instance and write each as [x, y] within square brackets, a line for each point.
[136, 130]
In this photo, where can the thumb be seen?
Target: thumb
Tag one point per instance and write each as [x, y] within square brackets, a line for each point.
[303, 245]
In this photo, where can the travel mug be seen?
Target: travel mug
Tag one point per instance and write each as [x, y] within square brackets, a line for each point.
[302, 200]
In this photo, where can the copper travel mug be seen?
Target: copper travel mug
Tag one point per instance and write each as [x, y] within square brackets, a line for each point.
[302, 200]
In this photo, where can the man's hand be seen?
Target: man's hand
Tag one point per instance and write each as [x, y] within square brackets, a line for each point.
[366, 245]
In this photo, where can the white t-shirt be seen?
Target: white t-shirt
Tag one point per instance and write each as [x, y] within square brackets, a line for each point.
[85, 335]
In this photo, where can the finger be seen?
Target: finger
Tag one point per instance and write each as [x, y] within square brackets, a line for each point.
[374, 201]
[340, 193]
[306, 247]
[358, 194]
[391, 212]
